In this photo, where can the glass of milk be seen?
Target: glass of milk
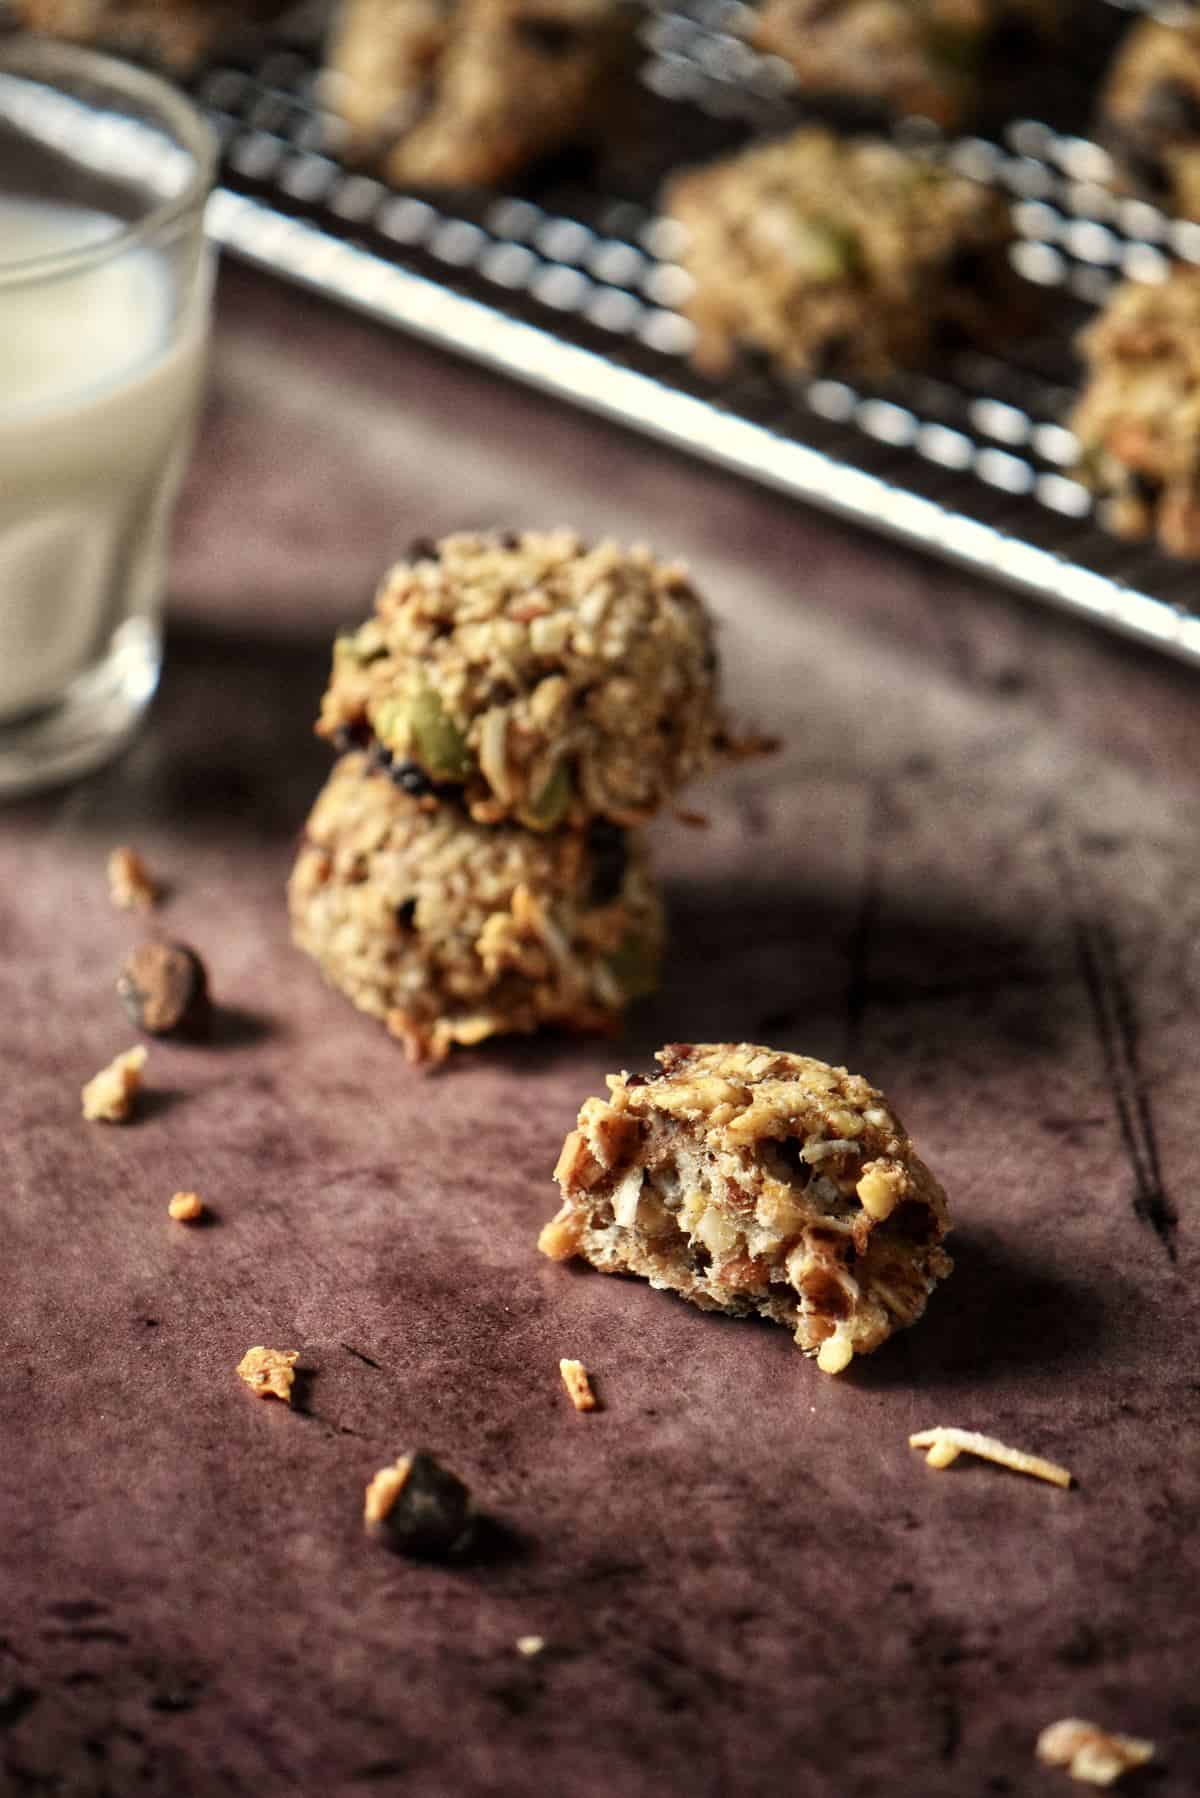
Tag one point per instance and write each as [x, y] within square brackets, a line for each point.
[105, 286]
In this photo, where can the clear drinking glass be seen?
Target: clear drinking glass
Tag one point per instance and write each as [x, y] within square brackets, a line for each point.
[105, 290]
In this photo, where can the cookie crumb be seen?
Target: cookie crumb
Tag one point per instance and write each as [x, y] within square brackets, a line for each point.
[417, 1506]
[577, 1380]
[945, 1445]
[186, 1208]
[530, 1645]
[269, 1372]
[1092, 1755]
[131, 887]
[108, 1097]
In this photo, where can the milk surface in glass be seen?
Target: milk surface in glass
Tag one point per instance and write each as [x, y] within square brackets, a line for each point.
[98, 389]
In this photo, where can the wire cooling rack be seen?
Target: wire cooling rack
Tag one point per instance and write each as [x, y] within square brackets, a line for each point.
[572, 287]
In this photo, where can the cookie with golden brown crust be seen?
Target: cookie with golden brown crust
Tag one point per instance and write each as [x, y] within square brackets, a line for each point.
[840, 255]
[758, 1183]
[453, 92]
[534, 677]
[452, 932]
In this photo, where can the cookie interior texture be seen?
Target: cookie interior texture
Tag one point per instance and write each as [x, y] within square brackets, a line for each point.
[545, 680]
[753, 1181]
[452, 932]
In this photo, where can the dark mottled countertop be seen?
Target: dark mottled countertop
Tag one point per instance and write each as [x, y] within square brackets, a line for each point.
[973, 875]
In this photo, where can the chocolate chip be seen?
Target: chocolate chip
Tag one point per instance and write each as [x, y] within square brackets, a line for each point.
[510, 539]
[423, 549]
[609, 857]
[421, 1508]
[636, 1080]
[379, 759]
[164, 988]
[412, 779]
[406, 913]
[1145, 487]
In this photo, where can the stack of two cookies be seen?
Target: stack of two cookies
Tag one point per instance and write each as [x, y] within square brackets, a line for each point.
[513, 710]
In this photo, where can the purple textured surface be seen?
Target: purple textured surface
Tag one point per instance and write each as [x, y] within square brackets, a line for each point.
[972, 875]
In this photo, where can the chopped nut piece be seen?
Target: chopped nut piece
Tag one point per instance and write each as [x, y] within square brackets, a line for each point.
[186, 1207]
[130, 884]
[530, 1645]
[417, 1506]
[835, 1353]
[108, 1097]
[946, 1444]
[1090, 1754]
[576, 1379]
[269, 1372]
[164, 988]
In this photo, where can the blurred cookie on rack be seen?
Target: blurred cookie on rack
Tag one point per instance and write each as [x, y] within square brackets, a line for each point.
[1137, 422]
[838, 256]
[928, 60]
[461, 92]
[1149, 115]
[178, 33]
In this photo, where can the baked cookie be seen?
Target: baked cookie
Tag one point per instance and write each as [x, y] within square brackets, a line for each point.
[926, 57]
[757, 1183]
[829, 254]
[1137, 422]
[1150, 113]
[910, 58]
[178, 33]
[452, 932]
[447, 92]
[536, 678]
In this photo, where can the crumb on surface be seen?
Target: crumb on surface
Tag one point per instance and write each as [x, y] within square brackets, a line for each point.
[1092, 1755]
[108, 1097]
[186, 1207]
[269, 1372]
[384, 1489]
[945, 1444]
[577, 1380]
[530, 1645]
[131, 886]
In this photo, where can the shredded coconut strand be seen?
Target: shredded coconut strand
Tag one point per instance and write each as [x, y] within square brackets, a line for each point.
[945, 1445]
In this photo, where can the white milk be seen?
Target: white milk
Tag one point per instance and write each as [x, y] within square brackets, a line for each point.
[98, 390]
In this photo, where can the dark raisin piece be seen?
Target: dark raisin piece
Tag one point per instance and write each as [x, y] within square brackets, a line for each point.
[418, 1507]
[609, 857]
[351, 736]
[548, 37]
[412, 779]
[164, 988]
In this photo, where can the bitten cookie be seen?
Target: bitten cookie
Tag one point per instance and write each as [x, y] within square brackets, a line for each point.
[756, 1182]
[176, 32]
[1150, 113]
[837, 255]
[452, 932]
[1138, 418]
[539, 680]
[445, 92]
